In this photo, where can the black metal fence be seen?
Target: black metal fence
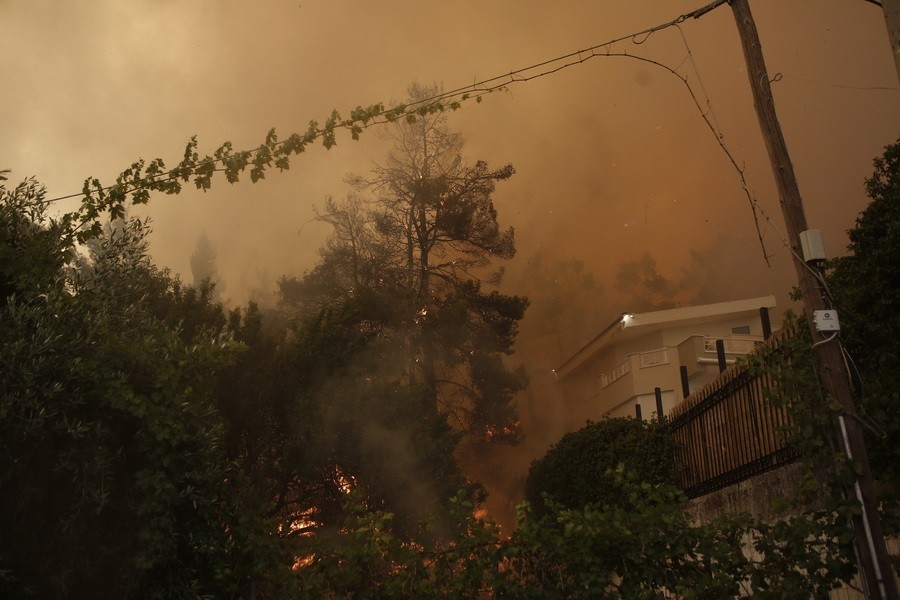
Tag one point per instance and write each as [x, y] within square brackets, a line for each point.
[729, 431]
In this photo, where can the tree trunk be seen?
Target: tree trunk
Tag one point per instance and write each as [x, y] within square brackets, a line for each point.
[429, 371]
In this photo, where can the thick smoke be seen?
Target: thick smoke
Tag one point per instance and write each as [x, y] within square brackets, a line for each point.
[613, 159]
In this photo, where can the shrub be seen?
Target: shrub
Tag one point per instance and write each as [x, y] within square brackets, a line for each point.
[576, 471]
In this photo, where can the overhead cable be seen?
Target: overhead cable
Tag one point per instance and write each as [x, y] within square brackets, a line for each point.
[457, 95]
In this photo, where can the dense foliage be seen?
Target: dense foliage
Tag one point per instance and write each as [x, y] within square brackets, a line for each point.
[155, 444]
[413, 246]
[649, 550]
[578, 470]
[865, 287]
[112, 476]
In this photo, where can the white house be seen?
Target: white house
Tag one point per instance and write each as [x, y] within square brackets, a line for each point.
[617, 372]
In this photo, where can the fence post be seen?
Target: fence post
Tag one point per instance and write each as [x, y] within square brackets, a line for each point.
[720, 354]
[766, 324]
[659, 407]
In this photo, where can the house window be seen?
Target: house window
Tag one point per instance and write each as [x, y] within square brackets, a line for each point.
[745, 329]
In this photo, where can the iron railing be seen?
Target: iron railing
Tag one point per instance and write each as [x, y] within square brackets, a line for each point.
[730, 430]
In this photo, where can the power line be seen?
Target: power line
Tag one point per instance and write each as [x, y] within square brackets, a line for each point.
[780, 76]
[381, 115]
[755, 206]
[455, 97]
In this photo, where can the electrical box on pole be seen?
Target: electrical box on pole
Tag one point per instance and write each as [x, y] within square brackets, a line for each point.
[826, 320]
[812, 246]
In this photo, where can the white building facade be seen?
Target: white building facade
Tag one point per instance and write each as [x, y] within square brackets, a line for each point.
[618, 372]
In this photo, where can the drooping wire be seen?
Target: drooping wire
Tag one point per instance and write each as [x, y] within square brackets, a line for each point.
[856, 381]
[457, 95]
[690, 57]
[863, 417]
[755, 206]
[824, 341]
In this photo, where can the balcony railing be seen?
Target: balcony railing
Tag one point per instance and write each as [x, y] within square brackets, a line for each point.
[732, 345]
[617, 373]
[650, 358]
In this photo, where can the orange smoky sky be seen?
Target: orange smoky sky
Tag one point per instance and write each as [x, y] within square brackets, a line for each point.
[613, 158]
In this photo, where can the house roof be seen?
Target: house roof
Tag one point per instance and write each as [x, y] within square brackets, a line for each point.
[629, 326]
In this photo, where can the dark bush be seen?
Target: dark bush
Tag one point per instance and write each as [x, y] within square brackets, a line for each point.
[576, 471]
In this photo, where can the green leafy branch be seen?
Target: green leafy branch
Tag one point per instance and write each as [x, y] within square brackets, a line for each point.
[142, 178]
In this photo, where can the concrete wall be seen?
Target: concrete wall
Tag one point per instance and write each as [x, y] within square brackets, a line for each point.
[757, 496]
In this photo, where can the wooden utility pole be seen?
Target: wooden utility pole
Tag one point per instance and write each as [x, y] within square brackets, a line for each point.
[891, 10]
[875, 566]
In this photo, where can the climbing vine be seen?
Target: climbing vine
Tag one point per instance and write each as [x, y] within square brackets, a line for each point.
[135, 184]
